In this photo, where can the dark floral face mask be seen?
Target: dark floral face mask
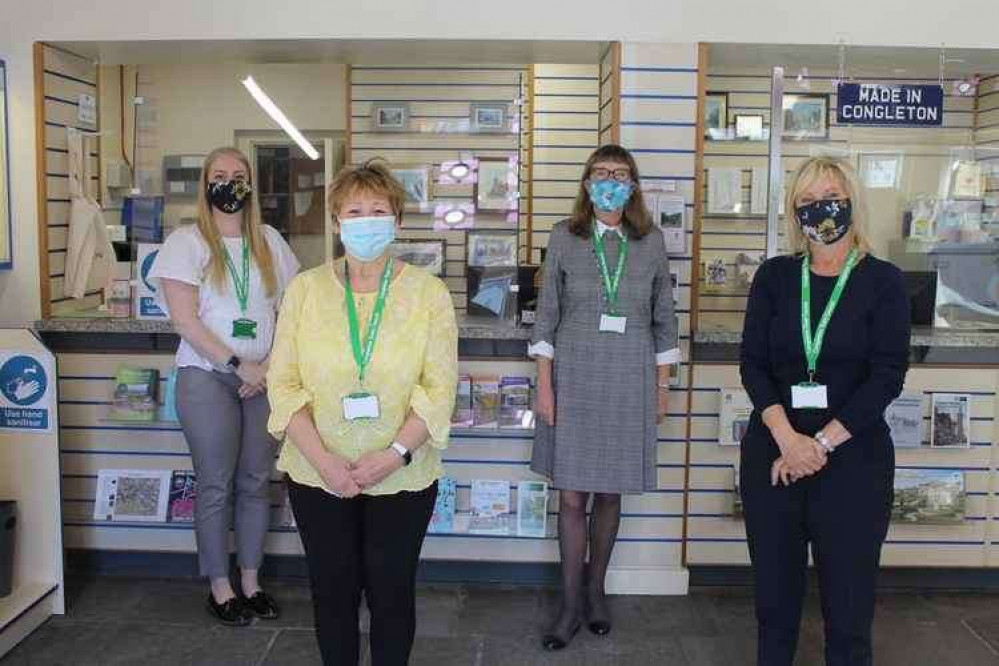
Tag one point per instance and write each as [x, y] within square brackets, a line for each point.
[825, 221]
[229, 196]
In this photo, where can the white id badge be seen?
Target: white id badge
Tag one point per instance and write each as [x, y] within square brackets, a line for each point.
[613, 323]
[360, 406]
[809, 396]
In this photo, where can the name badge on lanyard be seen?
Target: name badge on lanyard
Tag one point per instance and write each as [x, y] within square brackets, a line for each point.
[811, 395]
[242, 328]
[613, 321]
[363, 404]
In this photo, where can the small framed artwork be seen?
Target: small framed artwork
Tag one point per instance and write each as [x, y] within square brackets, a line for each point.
[715, 114]
[390, 117]
[416, 182]
[492, 248]
[496, 187]
[484, 118]
[454, 216]
[458, 172]
[806, 116]
[881, 171]
[749, 126]
[427, 254]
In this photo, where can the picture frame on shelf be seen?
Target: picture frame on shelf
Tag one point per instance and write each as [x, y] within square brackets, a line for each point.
[430, 255]
[485, 118]
[454, 216]
[390, 117]
[749, 127]
[715, 115]
[496, 186]
[881, 171]
[487, 248]
[416, 182]
[806, 116]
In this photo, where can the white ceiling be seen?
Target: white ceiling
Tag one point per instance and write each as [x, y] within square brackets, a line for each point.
[367, 52]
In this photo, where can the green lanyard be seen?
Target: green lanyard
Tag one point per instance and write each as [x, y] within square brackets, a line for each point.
[611, 282]
[240, 283]
[813, 345]
[363, 356]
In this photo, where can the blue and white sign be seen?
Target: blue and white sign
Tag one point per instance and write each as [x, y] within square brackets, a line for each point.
[888, 104]
[146, 304]
[26, 392]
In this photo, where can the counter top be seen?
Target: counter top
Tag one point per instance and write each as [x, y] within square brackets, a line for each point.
[469, 328]
[921, 337]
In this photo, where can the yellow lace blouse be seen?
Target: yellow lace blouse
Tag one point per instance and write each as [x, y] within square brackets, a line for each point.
[414, 367]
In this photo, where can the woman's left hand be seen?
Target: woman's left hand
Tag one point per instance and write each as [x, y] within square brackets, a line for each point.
[373, 467]
[663, 405]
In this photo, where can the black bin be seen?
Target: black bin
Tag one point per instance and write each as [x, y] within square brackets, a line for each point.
[8, 525]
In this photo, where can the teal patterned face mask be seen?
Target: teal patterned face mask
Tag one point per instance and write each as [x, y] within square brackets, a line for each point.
[609, 196]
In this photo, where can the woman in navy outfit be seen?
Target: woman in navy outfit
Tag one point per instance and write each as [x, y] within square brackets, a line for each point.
[825, 349]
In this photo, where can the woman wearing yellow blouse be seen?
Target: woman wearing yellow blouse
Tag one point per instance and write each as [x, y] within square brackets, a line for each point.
[361, 383]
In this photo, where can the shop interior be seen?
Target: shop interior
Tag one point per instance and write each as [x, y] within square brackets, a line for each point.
[490, 139]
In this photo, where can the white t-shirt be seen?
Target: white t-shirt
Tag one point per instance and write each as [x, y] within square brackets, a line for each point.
[185, 256]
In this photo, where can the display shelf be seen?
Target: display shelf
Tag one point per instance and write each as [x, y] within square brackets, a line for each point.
[21, 600]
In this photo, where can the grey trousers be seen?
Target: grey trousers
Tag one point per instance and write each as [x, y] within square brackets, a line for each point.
[233, 457]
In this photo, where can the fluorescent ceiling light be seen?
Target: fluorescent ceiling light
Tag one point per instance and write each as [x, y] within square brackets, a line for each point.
[278, 116]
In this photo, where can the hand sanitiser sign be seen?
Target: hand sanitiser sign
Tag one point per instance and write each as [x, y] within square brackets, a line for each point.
[884, 104]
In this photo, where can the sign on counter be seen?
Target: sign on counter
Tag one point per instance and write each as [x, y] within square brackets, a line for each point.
[26, 392]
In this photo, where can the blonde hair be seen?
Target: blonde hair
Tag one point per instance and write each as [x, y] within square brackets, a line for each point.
[252, 228]
[373, 177]
[813, 170]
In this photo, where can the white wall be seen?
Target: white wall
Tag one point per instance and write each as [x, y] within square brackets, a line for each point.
[890, 22]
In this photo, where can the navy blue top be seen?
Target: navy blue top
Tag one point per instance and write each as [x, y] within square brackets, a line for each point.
[864, 357]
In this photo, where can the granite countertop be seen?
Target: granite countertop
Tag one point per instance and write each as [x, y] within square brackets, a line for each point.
[921, 337]
[469, 328]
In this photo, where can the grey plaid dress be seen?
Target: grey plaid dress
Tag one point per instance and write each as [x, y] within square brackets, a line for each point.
[605, 433]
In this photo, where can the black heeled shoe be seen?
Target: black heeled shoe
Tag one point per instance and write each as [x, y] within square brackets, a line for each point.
[263, 606]
[554, 642]
[232, 613]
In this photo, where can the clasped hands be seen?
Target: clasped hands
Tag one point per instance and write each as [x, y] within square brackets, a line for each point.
[347, 479]
[801, 456]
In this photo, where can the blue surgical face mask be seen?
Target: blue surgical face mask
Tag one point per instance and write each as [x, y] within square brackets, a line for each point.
[609, 196]
[366, 238]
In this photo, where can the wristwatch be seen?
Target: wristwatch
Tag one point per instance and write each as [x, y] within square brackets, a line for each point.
[824, 442]
[233, 363]
[407, 457]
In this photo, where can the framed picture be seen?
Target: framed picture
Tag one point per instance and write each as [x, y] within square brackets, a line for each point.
[416, 182]
[715, 114]
[390, 117]
[806, 116]
[492, 248]
[454, 216]
[487, 118]
[427, 254]
[749, 126]
[458, 172]
[881, 171]
[496, 187]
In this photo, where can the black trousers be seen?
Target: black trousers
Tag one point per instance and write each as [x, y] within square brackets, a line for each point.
[370, 544]
[843, 514]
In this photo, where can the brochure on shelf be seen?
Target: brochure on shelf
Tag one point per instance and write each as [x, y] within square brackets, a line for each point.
[490, 507]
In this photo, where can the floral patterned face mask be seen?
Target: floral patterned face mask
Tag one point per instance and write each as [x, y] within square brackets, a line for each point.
[825, 221]
[229, 196]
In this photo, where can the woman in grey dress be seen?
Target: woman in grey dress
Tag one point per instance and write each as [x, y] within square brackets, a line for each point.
[605, 337]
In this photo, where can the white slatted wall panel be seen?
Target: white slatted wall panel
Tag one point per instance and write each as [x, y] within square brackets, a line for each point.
[436, 94]
[66, 77]
[565, 134]
[987, 135]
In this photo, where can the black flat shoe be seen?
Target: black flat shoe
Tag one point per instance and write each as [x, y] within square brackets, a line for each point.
[554, 642]
[599, 627]
[232, 613]
[263, 606]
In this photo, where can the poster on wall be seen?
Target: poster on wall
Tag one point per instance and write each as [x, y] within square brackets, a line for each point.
[27, 393]
[669, 213]
[146, 305]
[725, 191]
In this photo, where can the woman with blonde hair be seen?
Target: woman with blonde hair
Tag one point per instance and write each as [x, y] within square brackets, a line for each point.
[362, 384]
[223, 279]
[825, 349]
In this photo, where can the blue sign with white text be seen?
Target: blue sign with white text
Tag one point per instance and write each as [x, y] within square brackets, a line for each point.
[23, 384]
[889, 104]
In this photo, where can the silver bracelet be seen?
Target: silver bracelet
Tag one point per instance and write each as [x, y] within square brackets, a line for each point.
[824, 442]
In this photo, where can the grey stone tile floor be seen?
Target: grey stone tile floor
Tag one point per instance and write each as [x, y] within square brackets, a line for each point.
[119, 621]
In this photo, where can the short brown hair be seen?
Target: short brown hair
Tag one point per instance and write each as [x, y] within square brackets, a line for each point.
[373, 177]
[635, 218]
